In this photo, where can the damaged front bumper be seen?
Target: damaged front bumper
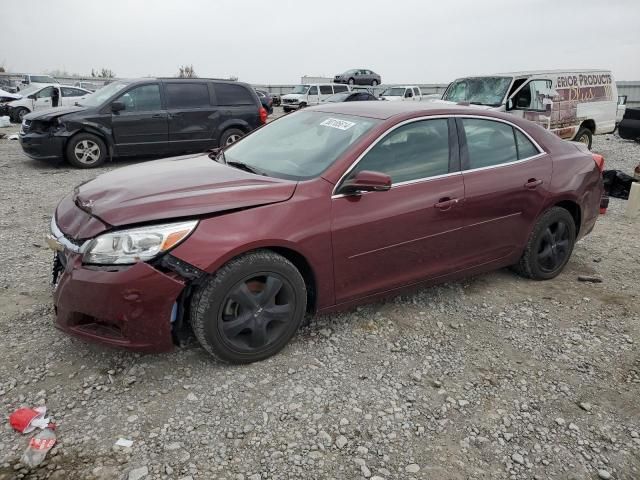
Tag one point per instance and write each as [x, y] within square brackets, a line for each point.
[137, 307]
[42, 146]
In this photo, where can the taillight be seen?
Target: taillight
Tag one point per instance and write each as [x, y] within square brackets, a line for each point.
[599, 159]
[263, 115]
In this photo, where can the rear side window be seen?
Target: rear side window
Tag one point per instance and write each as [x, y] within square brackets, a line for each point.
[326, 90]
[526, 149]
[72, 92]
[230, 94]
[187, 95]
[489, 143]
[411, 152]
[340, 88]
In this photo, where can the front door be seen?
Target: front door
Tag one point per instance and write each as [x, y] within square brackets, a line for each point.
[142, 127]
[534, 102]
[506, 180]
[44, 98]
[385, 240]
[313, 97]
[192, 117]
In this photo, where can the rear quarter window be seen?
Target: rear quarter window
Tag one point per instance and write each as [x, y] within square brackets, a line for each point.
[228, 94]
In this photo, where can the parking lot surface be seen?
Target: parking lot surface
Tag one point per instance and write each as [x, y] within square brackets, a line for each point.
[493, 377]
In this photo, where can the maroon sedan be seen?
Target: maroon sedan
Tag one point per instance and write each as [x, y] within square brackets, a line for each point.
[318, 211]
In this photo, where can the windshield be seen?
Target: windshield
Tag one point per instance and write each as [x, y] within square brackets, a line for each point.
[100, 96]
[337, 97]
[300, 145]
[393, 92]
[479, 90]
[300, 89]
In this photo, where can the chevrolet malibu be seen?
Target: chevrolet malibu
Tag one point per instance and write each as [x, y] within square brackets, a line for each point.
[318, 211]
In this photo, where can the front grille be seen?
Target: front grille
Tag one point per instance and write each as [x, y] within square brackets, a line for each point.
[290, 100]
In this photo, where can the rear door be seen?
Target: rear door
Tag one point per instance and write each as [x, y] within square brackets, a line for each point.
[192, 116]
[506, 180]
[142, 127]
[385, 240]
[71, 95]
[237, 107]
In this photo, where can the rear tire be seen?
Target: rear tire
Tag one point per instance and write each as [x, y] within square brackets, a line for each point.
[250, 308]
[86, 150]
[549, 247]
[374, 83]
[351, 81]
[585, 136]
[230, 136]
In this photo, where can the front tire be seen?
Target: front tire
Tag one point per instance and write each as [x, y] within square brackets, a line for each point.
[20, 113]
[250, 308]
[351, 81]
[374, 83]
[86, 150]
[585, 136]
[550, 245]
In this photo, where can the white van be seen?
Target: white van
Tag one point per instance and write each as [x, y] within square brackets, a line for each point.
[31, 79]
[311, 94]
[404, 93]
[574, 104]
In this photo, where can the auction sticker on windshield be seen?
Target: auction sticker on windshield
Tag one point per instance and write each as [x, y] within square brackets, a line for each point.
[337, 123]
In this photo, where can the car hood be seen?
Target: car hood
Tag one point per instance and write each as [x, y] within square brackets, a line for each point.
[5, 94]
[51, 113]
[392, 98]
[186, 186]
[293, 95]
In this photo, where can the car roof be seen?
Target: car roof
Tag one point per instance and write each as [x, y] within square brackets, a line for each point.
[542, 72]
[385, 110]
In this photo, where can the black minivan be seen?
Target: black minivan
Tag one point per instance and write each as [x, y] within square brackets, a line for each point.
[150, 116]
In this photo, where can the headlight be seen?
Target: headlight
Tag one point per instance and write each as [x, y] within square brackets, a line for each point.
[136, 244]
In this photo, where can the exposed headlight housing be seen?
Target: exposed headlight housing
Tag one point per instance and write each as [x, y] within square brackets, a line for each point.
[125, 247]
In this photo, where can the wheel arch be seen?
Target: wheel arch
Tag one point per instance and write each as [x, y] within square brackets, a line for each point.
[104, 136]
[590, 125]
[574, 209]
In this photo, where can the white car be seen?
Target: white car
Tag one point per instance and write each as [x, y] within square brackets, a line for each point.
[402, 93]
[312, 94]
[39, 97]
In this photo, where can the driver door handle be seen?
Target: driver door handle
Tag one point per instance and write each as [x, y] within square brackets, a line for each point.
[446, 203]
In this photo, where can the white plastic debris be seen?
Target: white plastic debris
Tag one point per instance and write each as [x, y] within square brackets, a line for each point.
[13, 137]
[123, 442]
[5, 121]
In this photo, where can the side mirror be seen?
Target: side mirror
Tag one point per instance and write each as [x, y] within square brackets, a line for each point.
[366, 181]
[510, 104]
[32, 96]
[117, 107]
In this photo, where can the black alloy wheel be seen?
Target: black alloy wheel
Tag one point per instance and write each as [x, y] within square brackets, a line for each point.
[553, 248]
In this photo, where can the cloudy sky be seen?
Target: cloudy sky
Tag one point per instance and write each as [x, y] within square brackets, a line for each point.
[279, 41]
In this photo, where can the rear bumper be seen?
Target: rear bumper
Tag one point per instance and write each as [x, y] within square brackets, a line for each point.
[42, 146]
[128, 308]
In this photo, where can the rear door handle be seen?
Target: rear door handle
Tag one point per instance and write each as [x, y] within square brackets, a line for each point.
[532, 184]
[446, 203]
[158, 115]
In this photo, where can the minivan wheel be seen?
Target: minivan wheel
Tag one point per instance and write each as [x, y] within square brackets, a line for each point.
[374, 83]
[351, 81]
[231, 136]
[585, 136]
[86, 150]
[550, 245]
[250, 308]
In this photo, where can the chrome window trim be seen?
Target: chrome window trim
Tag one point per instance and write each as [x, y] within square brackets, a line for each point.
[434, 117]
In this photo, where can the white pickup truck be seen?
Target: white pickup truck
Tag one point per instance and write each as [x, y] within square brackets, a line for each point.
[402, 93]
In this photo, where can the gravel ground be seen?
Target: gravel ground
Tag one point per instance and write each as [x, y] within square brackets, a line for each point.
[493, 377]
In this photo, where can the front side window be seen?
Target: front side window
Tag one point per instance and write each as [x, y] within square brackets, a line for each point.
[301, 145]
[532, 95]
[411, 152]
[187, 95]
[145, 98]
[313, 90]
[102, 95]
[488, 91]
[326, 90]
[489, 143]
[45, 93]
[229, 94]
